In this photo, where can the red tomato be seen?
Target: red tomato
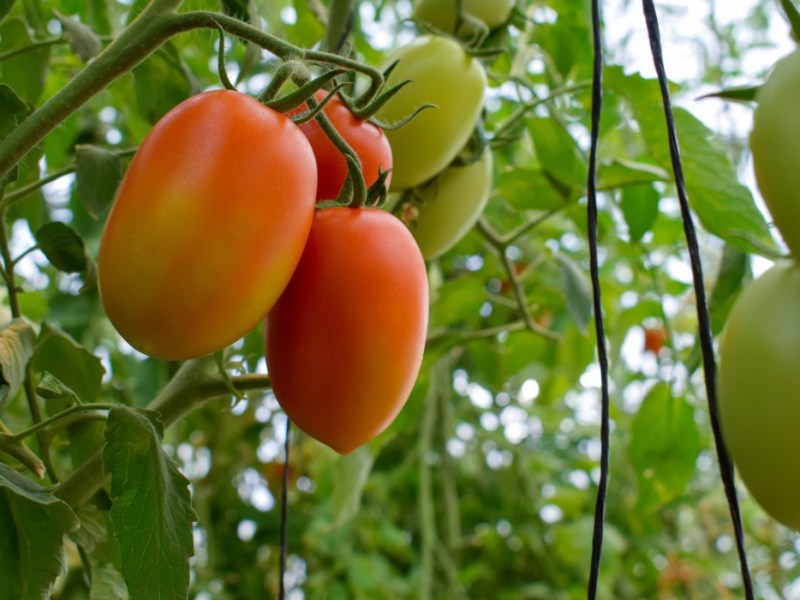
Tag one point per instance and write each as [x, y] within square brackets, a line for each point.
[654, 339]
[207, 227]
[367, 140]
[344, 342]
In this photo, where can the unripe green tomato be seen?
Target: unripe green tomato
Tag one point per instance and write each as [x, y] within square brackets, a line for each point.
[775, 142]
[450, 205]
[442, 13]
[759, 390]
[440, 73]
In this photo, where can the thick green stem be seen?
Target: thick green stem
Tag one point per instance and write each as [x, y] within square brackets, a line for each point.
[427, 516]
[196, 382]
[340, 22]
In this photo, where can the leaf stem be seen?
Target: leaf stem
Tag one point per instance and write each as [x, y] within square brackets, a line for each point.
[79, 408]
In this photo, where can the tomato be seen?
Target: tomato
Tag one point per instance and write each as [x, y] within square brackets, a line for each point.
[207, 227]
[344, 342]
[775, 143]
[758, 386]
[441, 73]
[654, 339]
[367, 140]
[450, 205]
[442, 13]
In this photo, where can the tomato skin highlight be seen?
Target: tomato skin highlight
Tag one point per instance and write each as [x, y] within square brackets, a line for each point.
[440, 73]
[344, 343]
[758, 383]
[207, 227]
[775, 144]
[367, 140]
[451, 205]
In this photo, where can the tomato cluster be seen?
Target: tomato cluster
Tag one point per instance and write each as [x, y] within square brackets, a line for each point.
[760, 348]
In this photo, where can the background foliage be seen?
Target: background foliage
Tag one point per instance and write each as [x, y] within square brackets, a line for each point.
[485, 485]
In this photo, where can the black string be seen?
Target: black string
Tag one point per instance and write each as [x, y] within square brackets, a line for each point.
[285, 510]
[602, 487]
[706, 338]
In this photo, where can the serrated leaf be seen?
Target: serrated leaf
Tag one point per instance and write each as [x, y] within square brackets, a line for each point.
[25, 72]
[577, 291]
[107, 584]
[62, 246]
[12, 109]
[151, 508]
[84, 42]
[665, 442]
[639, 205]
[351, 473]
[32, 527]
[57, 353]
[17, 341]
[98, 172]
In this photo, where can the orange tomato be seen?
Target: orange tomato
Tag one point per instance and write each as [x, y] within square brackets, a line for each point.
[344, 342]
[208, 225]
[367, 140]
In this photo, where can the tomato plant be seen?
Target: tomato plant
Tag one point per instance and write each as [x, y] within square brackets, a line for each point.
[207, 227]
[443, 74]
[367, 140]
[344, 342]
[758, 383]
[775, 143]
[442, 13]
[450, 205]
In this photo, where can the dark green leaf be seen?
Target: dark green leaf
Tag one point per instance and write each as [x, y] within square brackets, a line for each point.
[640, 207]
[32, 527]
[151, 508]
[107, 584]
[160, 83]
[794, 17]
[25, 72]
[80, 370]
[98, 174]
[17, 340]
[577, 291]
[52, 388]
[665, 442]
[741, 94]
[62, 246]
[5, 8]
[12, 109]
[84, 42]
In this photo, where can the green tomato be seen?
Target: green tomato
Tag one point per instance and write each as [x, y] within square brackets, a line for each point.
[442, 13]
[759, 397]
[450, 205]
[775, 142]
[440, 73]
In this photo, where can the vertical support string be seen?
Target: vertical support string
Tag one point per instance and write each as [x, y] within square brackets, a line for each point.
[285, 512]
[602, 357]
[706, 337]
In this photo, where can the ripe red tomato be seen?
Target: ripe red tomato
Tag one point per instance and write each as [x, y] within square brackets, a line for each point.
[654, 339]
[344, 342]
[367, 140]
[207, 227]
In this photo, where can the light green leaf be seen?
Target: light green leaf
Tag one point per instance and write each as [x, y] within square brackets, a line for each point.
[577, 291]
[80, 370]
[349, 480]
[621, 172]
[25, 72]
[640, 207]
[107, 584]
[558, 155]
[84, 42]
[62, 246]
[32, 527]
[98, 172]
[5, 8]
[160, 83]
[17, 341]
[151, 509]
[529, 189]
[665, 442]
[52, 388]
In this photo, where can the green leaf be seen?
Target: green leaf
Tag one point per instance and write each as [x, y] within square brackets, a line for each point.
[12, 109]
[558, 155]
[160, 83]
[26, 72]
[32, 527]
[17, 340]
[98, 173]
[740, 94]
[350, 477]
[664, 445]
[724, 206]
[577, 291]
[107, 584]
[84, 42]
[640, 207]
[52, 388]
[80, 370]
[529, 189]
[151, 509]
[794, 17]
[734, 273]
[62, 246]
[5, 8]
[621, 172]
